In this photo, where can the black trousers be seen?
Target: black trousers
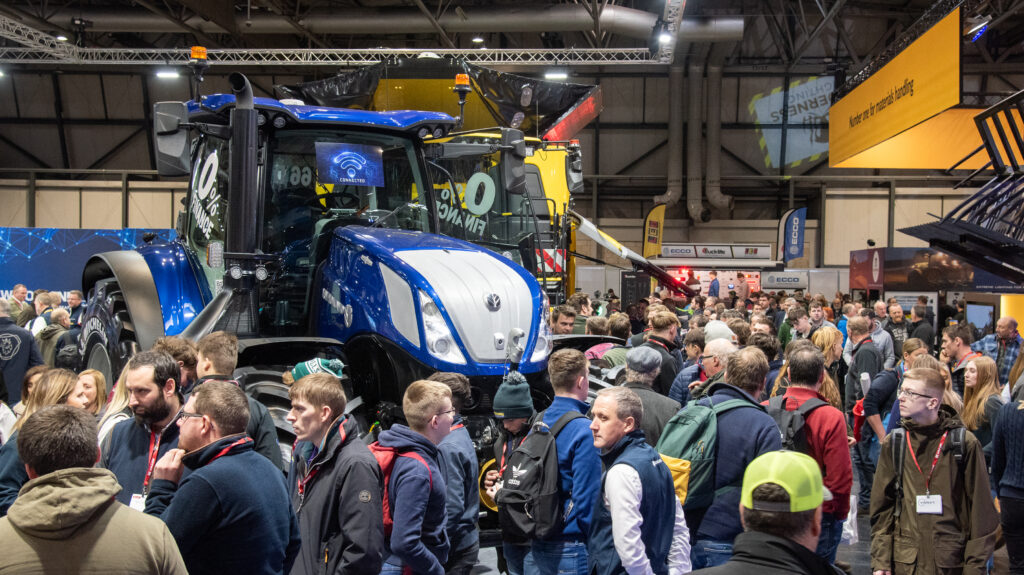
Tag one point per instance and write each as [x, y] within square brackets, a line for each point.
[1012, 519]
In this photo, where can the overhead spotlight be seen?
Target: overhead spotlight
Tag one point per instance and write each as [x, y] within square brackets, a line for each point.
[664, 38]
[167, 74]
[975, 24]
[478, 39]
[556, 75]
[1, 73]
[61, 38]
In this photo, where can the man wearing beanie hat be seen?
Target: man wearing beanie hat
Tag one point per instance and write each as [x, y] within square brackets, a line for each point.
[642, 367]
[513, 405]
[780, 507]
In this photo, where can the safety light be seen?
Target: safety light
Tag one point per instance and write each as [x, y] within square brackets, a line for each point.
[197, 53]
[261, 273]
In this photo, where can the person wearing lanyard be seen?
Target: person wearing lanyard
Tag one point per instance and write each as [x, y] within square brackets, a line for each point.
[132, 449]
[232, 514]
[513, 406]
[945, 520]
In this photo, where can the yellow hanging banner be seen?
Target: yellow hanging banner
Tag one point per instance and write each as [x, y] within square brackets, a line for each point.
[654, 226]
[921, 81]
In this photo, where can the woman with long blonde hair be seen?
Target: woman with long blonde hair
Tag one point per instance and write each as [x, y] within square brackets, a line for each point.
[829, 341]
[982, 399]
[117, 410]
[55, 387]
[95, 386]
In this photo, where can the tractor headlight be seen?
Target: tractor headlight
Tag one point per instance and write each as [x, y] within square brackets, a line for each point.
[542, 348]
[440, 342]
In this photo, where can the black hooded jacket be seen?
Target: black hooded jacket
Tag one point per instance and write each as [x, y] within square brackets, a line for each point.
[764, 554]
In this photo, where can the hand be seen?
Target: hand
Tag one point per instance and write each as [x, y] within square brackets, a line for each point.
[695, 383]
[850, 440]
[490, 479]
[170, 467]
[493, 490]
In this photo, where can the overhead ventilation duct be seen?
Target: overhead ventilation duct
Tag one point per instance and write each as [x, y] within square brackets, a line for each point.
[713, 145]
[695, 92]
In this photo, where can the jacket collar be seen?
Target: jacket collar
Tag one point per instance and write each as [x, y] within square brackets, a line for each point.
[6, 321]
[803, 393]
[225, 446]
[755, 547]
[635, 437]
[671, 345]
[733, 391]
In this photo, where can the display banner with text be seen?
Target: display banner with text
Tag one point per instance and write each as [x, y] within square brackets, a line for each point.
[921, 81]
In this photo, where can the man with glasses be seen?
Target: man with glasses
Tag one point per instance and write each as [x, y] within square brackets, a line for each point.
[710, 369]
[232, 514]
[416, 487]
[935, 514]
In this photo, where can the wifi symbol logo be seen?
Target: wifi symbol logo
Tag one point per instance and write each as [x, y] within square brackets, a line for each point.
[350, 162]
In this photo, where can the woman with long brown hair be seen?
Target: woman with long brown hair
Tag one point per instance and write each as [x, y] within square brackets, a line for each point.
[55, 387]
[95, 387]
[982, 399]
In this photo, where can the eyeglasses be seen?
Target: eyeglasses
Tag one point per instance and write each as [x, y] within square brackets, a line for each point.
[908, 393]
[186, 415]
[705, 357]
[451, 411]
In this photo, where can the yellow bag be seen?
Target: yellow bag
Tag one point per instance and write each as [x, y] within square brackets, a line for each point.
[680, 470]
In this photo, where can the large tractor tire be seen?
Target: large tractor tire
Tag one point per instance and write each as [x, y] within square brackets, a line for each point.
[108, 338]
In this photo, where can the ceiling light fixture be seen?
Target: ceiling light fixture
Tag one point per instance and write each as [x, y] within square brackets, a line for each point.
[478, 39]
[556, 75]
[61, 38]
[167, 74]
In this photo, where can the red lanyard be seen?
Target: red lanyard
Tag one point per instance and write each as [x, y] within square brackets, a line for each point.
[154, 452]
[225, 451]
[459, 426]
[935, 461]
[968, 357]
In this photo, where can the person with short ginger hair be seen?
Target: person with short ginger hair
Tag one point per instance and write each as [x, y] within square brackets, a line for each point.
[232, 513]
[416, 488]
[216, 359]
[334, 482]
[638, 524]
[956, 524]
[579, 468]
[96, 534]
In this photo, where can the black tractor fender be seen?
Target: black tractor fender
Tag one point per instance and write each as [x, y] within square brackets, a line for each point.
[133, 275]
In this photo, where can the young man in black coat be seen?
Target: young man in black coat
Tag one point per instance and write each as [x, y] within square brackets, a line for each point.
[335, 483]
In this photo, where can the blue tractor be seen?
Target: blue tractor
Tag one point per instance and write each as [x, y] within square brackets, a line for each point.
[315, 232]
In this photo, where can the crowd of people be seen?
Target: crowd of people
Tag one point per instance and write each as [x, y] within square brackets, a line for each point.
[728, 435]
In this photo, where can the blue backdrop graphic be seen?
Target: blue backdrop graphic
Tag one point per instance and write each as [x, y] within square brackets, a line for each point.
[53, 258]
[794, 232]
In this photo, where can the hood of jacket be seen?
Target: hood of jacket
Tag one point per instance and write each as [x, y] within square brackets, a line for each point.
[56, 505]
[761, 549]
[948, 419]
[52, 331]
[402, 438]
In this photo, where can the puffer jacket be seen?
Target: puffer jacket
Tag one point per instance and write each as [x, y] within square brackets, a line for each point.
[68, 522]
[958, 541]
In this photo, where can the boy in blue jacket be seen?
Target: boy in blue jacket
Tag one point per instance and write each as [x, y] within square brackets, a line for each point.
[416, 488]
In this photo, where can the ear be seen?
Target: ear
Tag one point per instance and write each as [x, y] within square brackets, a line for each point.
[816, 524]
[98, 455]
[630, 424]
[168, 387]
[32, 472]
[325, 414]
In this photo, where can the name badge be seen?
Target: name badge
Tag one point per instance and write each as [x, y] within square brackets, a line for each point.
[138, 502]
[929, 504]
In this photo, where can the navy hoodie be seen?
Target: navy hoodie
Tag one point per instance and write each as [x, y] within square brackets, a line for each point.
[232, 514]
[416, 497]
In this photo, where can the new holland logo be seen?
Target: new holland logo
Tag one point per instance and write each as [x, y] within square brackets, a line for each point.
[493, 302]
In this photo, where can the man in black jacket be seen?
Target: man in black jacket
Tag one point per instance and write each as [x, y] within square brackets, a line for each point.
[780, 507]
[216, 357]
[335, 483]
[18, 352]
[662, 338]
[920, 328]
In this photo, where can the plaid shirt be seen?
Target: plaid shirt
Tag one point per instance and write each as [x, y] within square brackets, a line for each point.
[990, 344]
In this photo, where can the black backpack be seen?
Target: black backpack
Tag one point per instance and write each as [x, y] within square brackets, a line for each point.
[898, 437]
[529, 505]
[791, 423]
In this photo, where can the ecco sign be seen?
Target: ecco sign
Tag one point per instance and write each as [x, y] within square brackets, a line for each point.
[784, 280]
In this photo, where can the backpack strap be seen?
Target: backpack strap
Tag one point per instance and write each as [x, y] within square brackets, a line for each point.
[898, 439]
[418, 457]
[563, 421]
[810, 405]
[957, 437]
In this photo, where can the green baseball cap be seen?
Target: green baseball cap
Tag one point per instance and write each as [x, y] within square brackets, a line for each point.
[795, 472]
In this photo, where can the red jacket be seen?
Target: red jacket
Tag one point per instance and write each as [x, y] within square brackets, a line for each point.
[825, 430]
